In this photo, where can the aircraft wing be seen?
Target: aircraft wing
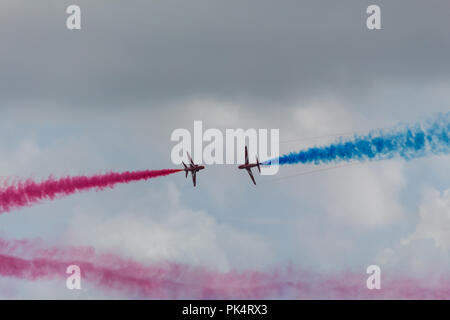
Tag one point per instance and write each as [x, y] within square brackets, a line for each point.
[246, 155]
[185, 169]
[194, 177]
[251, 175]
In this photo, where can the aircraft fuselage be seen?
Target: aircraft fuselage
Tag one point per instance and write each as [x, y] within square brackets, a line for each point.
[196, 168]
[248, 166]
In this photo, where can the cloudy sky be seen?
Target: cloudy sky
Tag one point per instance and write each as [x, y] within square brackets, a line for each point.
[107, 97]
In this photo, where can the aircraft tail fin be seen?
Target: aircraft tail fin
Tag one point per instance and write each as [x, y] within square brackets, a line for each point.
[257, 163]
[190, 159]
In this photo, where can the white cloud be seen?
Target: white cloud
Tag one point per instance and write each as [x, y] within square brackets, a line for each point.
[359, 196]
[11, 288]
[434, 220]
[362, 195]
[350, 205]
[426, 250]
[317, 118]
[171, 232]
[366, 196]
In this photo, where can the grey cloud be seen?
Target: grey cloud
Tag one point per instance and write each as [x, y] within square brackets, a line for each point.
[134, 52]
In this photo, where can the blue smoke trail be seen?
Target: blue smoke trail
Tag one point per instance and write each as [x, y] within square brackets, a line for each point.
[420, 139]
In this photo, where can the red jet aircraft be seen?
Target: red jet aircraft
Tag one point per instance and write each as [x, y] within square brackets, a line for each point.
[248, 166]
[193, 169]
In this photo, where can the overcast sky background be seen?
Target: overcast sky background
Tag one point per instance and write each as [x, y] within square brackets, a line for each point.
[108, 97]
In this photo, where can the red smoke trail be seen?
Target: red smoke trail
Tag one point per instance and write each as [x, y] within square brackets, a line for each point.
[175, 281]
[28, 192]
